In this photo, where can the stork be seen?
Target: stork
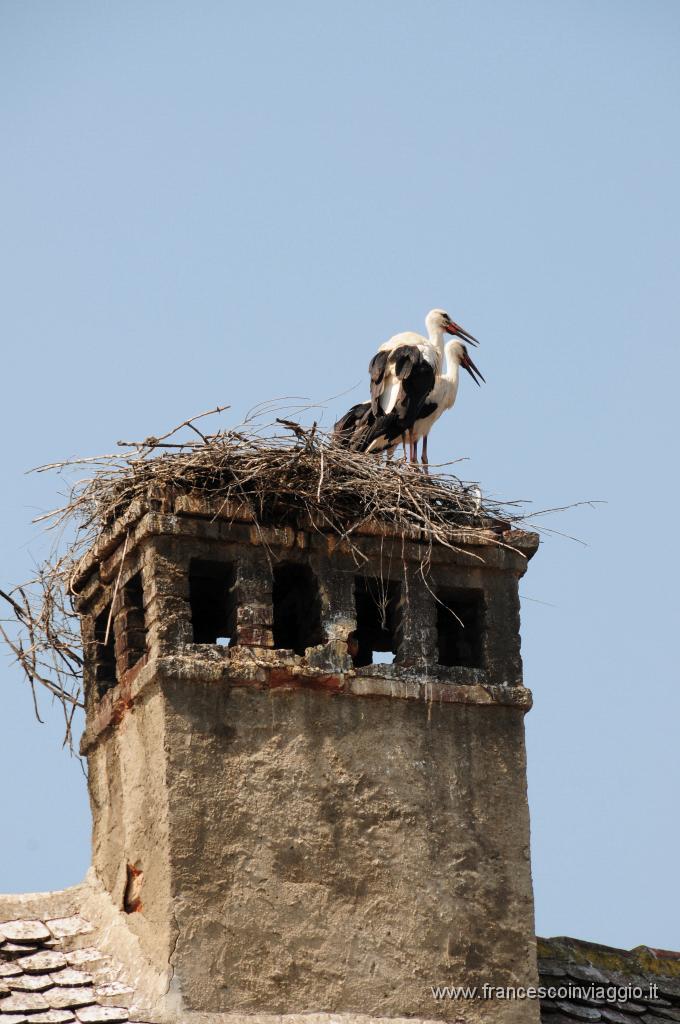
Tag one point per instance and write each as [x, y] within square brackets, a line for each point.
[443, 394]
[404, 374]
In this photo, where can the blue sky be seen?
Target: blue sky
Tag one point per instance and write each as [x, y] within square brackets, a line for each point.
[210, 202]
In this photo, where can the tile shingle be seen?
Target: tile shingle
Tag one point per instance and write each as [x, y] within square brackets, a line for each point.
[24, 931]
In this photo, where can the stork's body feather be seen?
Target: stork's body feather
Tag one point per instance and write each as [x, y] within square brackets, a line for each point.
[400, 384]
[442, 396]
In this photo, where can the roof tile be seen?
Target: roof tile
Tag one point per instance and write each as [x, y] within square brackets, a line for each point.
[46, 960]
[42, 980]
[29, 982]
[579, 1012]
[21, 1002]
[585, 972]
[24, 931]
[87, 957]
[62, 998]
[551, 967]
[51, 1017]
[67, 927]
[614, 1016]
[102, 1014]
[591, 967]
[8, 970]
[114, 993]
[69, 976]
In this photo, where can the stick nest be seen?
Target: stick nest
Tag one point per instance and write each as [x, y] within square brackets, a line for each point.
[282, 472]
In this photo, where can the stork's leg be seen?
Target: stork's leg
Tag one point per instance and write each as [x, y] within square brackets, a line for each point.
[423, 457]
[403, 441]
[414, 450]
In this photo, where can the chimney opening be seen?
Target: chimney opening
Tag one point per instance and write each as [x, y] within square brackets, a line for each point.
[297, 608]
[378, 633]
[134, 634]
[460, 628]
[132, 896]
[104, 652]
[212, 597]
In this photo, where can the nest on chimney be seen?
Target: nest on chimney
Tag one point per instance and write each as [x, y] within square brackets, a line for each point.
[283, 473]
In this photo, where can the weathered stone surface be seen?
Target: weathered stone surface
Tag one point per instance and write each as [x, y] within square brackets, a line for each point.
[70, 977]
[30, 982]
[24, 931]
[609, 1015]
[585, 972]
[60, 997]
[47, 960]
[114, 993]
[304, 832]
[68, 927]
[87, 957]
[22, 1002]
[552, 968]
[53, 1017]
[8, 969]
[579, 1013]
[356, 832]
[102, 1014]
[52, 997]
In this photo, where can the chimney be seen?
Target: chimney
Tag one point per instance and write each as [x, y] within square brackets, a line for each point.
[306, 761]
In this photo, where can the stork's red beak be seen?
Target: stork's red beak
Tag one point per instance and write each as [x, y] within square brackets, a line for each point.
[471, 368]
[454, 328]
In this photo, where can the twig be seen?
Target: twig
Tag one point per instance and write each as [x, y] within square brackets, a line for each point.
[115, 589]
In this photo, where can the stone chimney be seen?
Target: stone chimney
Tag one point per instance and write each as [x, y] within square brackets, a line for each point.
[306, 762]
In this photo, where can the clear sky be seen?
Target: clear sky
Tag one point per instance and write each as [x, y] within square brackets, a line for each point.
[221, 202]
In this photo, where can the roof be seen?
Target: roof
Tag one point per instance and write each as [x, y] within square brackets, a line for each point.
[70, 956]
[49, 975]
[590, 982]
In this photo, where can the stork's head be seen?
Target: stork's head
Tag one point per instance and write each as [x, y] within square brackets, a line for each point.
[458, 352]
[438, 321]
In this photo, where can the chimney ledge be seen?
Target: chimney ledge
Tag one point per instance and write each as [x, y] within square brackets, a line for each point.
[267, 672]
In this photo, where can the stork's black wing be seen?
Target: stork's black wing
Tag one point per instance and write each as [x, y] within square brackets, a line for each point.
[350, 428]
[376, 372]
[416, 376]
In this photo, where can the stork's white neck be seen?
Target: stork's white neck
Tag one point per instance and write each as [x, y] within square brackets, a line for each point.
[436, 335]
[450, 365]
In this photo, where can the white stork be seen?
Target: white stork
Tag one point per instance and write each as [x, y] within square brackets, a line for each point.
[406, 389]
[443, 394]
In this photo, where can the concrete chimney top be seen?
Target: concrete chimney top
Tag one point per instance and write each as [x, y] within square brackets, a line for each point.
[306, 760]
